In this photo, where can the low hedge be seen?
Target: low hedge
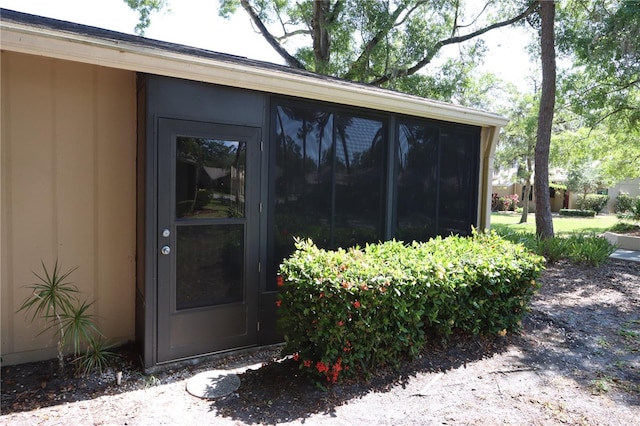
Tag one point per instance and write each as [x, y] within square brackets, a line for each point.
[348, 312]
[577, 212]
[595, 202]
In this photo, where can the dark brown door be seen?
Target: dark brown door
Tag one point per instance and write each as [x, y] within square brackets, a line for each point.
[208, 238]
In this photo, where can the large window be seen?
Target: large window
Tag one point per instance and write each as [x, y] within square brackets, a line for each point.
[437, 180]
[331, 179]
[329, 183]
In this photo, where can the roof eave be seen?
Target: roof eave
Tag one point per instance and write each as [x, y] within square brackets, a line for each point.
[19, 37]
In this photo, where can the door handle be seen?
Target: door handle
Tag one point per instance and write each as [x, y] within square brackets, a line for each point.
[165, 250]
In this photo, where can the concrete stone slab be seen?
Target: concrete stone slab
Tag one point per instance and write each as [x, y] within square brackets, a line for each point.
[213, 384]
[622, 254]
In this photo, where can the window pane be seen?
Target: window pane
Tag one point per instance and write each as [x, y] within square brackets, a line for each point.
[209, 266]
[458, 183]
[359, 181]
[417, 189]
[210, 178]
[304, 176]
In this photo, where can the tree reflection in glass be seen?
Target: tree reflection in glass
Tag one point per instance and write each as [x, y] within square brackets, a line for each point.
[210, 178]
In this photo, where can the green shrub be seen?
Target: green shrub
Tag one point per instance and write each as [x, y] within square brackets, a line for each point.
[590, 249]
[624, 203]
[348, 312]
[595, 202]
[622, 227]
[579, 213]
[552, 249]
[635, 210]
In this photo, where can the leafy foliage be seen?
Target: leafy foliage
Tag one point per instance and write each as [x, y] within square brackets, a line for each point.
[584, 179]
[55, 300]
[577, 212]
[633, 213]
[98, 357]
[579, 247]
[347, 312]
[371, 41]
[624, 203]
[622, 227]
[145, 9]
[602, 88]
[595, 202]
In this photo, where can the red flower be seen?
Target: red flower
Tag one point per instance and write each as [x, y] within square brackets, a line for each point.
[364, 287]
[340, 323]
[278, 303]
[296, 357]
[307, 363]
[280, 281]
[321, 367]
[321, 295]
[356, 304]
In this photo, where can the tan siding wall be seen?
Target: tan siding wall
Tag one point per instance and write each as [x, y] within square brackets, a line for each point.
[68, 191]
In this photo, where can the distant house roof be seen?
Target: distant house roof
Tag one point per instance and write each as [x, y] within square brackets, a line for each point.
[31, 34]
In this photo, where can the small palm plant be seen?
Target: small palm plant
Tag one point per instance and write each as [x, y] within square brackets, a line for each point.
[55, 299]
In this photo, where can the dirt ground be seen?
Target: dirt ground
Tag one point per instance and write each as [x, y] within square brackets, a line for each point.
[577, 361]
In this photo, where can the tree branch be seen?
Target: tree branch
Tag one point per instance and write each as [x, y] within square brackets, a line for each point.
[459, 39]
[375, 40]
[292, 34]
[273, 42]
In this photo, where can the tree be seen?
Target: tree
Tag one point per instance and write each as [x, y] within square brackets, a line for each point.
[379, 42]
[602, 89]
[601, 37]
[544, 222]
[584, 179]
[145, 8]
[517, 144]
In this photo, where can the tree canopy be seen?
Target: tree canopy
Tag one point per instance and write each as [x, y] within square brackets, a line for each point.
[389, 43]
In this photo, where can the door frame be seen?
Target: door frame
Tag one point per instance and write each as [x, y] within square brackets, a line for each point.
[167, 317]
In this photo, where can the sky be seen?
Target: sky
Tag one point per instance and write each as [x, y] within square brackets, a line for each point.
[196, 23]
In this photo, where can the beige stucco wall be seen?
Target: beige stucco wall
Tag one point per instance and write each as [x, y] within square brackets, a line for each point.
[68, 191]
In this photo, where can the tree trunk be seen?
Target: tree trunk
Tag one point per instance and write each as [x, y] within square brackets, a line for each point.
[321, 40]
[544, 223]
[525, 202]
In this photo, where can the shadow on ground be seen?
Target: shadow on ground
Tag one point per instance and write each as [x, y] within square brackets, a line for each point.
[584, 329]
[585, 325]
[277, 393]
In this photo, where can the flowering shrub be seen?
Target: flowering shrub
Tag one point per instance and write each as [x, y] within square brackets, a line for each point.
[347, 312]
[509, 202]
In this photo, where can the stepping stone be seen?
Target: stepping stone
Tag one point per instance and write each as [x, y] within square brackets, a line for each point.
[213, 384]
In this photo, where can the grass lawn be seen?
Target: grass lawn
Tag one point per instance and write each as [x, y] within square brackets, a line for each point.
[561, 224]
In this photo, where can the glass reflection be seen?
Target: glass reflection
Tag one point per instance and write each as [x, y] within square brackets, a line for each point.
[210, 265]
[458, 177]
[359, 181]
[417, 182]
[210, 178]
[329, 179]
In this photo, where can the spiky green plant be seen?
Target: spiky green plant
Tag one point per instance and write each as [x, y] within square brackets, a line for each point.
[55, 300]
[98, 357]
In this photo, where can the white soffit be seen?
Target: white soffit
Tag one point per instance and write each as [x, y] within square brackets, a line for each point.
[19, 37]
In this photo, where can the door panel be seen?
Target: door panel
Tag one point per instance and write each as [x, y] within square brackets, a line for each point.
[208, 237]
